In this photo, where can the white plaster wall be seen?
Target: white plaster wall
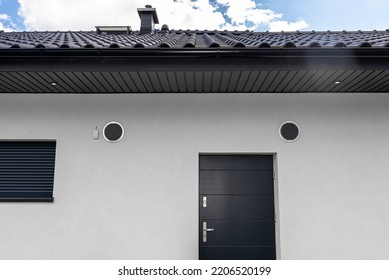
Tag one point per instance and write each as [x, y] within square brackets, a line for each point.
[137, 199]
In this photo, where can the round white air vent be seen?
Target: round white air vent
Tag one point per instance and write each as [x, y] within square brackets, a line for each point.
[113, 132]
[289, 131]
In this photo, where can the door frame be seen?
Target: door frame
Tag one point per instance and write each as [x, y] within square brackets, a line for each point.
[276, 193]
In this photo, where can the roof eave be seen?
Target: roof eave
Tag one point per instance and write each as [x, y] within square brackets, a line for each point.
[195, 52]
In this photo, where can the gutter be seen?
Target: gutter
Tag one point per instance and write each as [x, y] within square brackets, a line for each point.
[193, 53]
[197, 59]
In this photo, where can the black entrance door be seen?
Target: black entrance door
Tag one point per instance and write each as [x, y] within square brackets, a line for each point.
[236, 207]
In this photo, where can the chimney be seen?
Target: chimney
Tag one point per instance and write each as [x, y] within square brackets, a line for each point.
[148, 16]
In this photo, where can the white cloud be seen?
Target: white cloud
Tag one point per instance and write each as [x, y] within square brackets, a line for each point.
[243, 11]
[281, 25]
[186, 14]
[247, 13]
[4, 16]
[6, 23]
[86, 14]
[178, 14]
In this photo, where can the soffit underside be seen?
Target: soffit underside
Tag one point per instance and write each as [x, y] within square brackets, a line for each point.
[153, 71]
[187, 81]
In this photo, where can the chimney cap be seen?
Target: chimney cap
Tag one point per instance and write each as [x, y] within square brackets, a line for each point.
[149, 9]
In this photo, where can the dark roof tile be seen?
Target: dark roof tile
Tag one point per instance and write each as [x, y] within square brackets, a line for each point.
[231, 40]
[195, 38]
[264, 45]
[289, 44]
[189, 41]
[209, 41]
[314, 44]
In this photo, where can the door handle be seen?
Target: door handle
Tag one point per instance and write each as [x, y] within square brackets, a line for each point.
[205, 230]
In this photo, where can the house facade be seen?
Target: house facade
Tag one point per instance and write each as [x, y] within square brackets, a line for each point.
[172, 144]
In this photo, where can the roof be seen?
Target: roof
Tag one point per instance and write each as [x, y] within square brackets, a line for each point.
[194, 61]
[194, 38]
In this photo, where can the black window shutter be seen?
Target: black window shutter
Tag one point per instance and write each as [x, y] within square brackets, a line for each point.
[27, 171]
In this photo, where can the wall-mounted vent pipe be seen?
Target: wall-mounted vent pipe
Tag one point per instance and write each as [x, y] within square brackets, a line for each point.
[289, 131]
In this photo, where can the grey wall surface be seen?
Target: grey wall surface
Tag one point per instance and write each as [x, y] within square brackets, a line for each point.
[138, 198]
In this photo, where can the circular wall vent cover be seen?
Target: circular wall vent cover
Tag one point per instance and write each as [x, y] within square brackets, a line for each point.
[113, 132]
[289, 131]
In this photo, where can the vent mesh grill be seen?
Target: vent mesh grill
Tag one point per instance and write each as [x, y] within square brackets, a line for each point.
[289, 131]
[113, 132]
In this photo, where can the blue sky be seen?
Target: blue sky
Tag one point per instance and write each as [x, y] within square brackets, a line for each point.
[260, 15]
[10, 8]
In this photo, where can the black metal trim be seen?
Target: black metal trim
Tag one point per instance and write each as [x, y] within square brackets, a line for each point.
[195, 52]
[53, 60]
[107, 64]
[27, 199]
[31, 140]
